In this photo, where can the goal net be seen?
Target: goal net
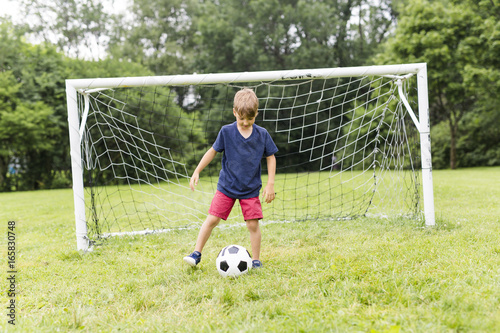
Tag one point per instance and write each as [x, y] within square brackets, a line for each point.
[350, 145]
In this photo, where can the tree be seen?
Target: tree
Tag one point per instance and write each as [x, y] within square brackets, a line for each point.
[280, 34]
[33, 125]
[447, 36]
[483, 77]
[80, 28]
[158, 36]
[182, 36]
[27, 130]
[29, 125]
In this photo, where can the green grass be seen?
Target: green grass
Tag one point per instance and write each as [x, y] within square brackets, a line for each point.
[366, 275]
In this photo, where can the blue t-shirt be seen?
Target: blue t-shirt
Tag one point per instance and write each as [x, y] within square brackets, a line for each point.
[239, 177]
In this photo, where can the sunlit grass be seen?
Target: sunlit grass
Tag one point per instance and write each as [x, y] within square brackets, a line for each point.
[384, 275]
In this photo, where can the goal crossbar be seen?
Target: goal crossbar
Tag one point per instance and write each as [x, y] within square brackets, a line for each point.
[196, 79]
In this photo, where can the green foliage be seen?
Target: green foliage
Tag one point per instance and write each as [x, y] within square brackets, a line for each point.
[440, 134]
[159, 37]
[480, 130]
[459, 41]
[33, 105]
[283, 34]
[38, 71]
[27, 130]
[177, 36]
[79, 28]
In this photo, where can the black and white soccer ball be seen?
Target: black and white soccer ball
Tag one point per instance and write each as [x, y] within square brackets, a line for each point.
[233, 261]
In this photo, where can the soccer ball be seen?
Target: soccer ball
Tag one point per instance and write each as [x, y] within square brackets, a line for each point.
[233, 261]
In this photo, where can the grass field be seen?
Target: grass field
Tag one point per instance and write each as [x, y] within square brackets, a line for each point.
[366, 275]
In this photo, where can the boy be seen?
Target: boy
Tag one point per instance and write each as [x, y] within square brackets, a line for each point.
[243, 144]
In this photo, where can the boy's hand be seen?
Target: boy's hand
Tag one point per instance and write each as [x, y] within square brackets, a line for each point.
[268, 194]
[194, 180]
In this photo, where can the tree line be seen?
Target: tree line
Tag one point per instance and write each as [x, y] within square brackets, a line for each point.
[458, 39]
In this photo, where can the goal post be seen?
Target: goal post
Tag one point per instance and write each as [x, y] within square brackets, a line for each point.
[425, 145]
[76, 167]
[349, 139]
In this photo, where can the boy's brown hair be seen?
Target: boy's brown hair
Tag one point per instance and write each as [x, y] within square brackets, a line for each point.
[246, 103]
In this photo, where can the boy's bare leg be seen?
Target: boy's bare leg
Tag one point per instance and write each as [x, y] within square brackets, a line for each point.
[255, 238]
[206, 230]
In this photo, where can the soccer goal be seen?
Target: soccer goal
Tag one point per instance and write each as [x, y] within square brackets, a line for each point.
[352, 142]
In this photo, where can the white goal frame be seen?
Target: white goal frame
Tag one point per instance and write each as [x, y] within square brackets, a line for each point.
[75, 86]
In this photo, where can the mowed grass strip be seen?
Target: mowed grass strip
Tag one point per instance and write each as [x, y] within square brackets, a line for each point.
[367, 275]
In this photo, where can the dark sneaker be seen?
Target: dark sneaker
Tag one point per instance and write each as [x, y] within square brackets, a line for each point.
[193, 259]
[256, 264]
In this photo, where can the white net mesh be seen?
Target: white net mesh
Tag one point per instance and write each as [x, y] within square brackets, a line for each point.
[346, 149]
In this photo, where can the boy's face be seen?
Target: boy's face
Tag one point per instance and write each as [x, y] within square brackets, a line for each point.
[244, 122]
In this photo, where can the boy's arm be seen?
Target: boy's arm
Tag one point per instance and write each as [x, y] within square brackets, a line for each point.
[205, 160]
[268, 192]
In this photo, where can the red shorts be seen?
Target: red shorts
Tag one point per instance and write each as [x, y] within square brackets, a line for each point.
[222, 205]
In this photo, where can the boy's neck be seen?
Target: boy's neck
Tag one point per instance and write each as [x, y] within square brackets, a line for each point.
[245, 132]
